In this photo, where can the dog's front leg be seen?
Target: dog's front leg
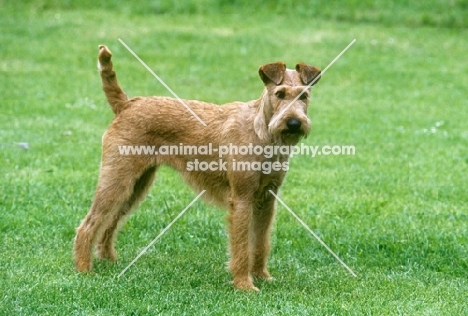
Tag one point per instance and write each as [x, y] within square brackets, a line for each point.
[262, 220]
[240, 216]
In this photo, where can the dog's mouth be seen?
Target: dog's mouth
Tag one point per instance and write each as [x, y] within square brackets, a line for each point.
[291, 136]
[297, 132]
[293, 132]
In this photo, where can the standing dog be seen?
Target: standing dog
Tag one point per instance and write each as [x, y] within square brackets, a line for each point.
[278, 117]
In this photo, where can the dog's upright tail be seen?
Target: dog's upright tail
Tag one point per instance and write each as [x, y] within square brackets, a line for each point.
[115, 95]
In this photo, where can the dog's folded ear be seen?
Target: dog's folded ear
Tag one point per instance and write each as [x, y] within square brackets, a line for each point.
[272, 73]
[308, 73]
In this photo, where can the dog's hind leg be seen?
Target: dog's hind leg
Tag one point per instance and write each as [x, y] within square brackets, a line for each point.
[105, 244]
[115, 188]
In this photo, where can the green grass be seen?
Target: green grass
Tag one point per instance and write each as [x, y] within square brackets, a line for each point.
[396, 212]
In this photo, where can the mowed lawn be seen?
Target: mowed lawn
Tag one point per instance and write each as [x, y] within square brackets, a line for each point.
[395, 212]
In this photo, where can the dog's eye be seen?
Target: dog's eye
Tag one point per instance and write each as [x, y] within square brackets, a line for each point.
[280, 94]
[303, 96]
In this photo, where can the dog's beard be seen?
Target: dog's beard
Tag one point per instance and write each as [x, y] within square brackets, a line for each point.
[291, 138]
[286, 137]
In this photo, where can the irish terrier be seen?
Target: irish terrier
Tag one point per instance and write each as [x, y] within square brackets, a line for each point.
[278, 117]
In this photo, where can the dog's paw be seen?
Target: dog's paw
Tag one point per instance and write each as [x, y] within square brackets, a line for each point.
[83, 265]
[263, 275]
[247, 288]
[106, 253]
[245, 285]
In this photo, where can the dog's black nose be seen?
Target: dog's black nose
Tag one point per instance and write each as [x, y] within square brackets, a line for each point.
[293, 124]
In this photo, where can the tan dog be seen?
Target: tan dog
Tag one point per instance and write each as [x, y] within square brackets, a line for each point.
[124, 180]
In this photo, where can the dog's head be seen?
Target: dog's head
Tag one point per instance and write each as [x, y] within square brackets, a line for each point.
[282, 116]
